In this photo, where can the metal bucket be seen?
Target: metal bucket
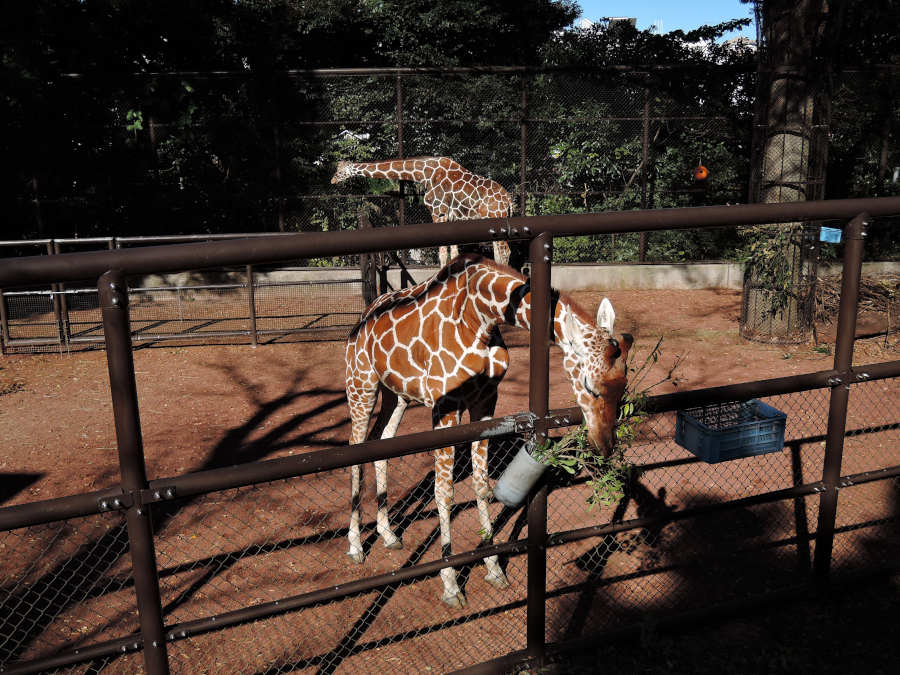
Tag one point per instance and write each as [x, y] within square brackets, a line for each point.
[518, 478]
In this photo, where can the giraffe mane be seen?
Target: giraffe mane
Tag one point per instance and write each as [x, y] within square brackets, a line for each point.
[583, 315]
[396, 298]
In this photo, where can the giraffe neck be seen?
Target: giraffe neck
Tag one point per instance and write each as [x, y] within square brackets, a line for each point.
[412, 169]
[513, 306]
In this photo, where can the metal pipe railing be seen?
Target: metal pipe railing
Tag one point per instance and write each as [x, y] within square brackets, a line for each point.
[138, 493]
[540, 256]
[159, 259]
[133, 467]
[854, 234]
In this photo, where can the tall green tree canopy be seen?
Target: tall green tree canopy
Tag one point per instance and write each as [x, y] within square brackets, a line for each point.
[109, 36]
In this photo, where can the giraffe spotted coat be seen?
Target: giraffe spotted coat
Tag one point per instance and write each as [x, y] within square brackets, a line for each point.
[437, 343]
[451, 192]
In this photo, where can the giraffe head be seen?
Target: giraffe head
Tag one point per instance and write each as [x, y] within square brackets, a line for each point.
[342, 173]
[596, 365]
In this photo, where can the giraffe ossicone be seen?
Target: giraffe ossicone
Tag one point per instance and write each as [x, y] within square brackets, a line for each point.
[438, 343]
[451, 192]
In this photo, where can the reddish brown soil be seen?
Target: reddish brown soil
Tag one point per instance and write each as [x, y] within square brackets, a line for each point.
[209, 406]
[212, 406]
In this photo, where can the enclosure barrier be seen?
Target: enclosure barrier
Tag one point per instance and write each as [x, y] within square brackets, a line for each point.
[155, 602]
[64, 319]
[559, 139]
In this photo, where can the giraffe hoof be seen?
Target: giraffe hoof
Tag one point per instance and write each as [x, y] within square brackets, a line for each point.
[497, 581]
[394, 545]
[457, 601]
[358, 558]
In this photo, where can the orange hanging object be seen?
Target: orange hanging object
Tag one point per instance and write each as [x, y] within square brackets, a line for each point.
[700, 172]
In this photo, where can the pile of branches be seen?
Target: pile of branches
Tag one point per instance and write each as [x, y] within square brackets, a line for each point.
[877, 293]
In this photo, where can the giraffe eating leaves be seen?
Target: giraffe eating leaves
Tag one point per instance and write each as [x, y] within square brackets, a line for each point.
[451, 192]
[438, 343]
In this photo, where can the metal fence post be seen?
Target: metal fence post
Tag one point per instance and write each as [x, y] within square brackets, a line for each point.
[276, 133]
[54, 295]
[4, 322]
[645, 142]
[63, 300]
[252, 303]
[401, 189]
[854, 234]
[540, 256]
[523, 154]
[113, 294]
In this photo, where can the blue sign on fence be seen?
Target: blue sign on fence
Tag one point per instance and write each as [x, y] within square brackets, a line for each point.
[830, 234]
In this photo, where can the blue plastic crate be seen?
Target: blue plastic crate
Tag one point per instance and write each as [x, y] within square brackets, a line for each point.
[724, 431]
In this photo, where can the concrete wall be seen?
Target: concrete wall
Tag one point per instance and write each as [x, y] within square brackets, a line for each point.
[685, 276]
[627, 277]
[836, 267]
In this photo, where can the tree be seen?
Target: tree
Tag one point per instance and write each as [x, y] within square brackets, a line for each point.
[687, 116]
[204, 150]
[790, 155]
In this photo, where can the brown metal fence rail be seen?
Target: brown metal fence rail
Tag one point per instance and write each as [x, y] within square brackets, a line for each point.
[242, 569]
[243, 305]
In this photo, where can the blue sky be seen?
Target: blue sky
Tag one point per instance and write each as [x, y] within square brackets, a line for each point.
[674, 15]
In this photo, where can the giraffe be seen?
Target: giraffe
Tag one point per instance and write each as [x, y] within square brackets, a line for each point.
[438, 343]
[451, 192]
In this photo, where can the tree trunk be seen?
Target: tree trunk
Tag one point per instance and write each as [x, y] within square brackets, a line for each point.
[790, 152]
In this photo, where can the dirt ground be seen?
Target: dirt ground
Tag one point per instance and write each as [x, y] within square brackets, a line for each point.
[219, 405]
[210, 406]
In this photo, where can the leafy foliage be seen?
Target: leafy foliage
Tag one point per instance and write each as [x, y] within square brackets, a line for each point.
[608, 477]
[769, 253]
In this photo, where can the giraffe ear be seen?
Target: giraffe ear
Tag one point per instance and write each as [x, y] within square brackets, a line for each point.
[575, 334]
[606, 315]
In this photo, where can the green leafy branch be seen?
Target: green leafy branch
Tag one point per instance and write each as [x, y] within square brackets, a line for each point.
[608, 476]
[768, 253]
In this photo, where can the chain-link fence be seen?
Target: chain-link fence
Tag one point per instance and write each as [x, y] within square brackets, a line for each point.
[246, 567]
[687, 536]
[237, 152]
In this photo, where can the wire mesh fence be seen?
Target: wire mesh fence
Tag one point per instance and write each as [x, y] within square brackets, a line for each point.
[248, 565]
[67, 585]
[63, 320]
[237, 152]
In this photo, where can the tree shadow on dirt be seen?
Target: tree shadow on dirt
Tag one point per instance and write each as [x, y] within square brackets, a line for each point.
[71, 581]
[12, 484]
[713, 558]
[235, 447]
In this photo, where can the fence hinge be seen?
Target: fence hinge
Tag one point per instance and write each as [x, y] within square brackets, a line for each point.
[116, 502]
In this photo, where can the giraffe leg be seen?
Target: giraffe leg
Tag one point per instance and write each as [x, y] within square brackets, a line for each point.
[501, 252]
[484, 410]
[356, 553]
[443, 497]
[454, 252]
[442, 251]
[361, 398]
[383, 523]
